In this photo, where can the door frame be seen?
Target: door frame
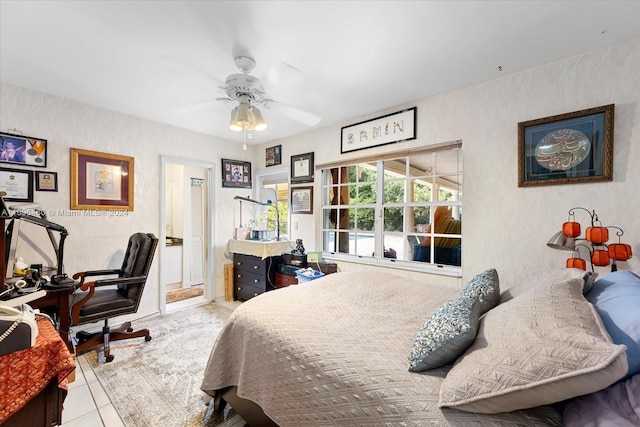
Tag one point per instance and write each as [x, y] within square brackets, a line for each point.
[209, 291]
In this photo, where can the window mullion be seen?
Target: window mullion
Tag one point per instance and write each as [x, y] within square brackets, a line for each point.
[379, 211]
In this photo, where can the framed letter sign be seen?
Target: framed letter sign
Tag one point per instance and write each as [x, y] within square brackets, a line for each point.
[567, 148]
[396, 127]
[101, 181]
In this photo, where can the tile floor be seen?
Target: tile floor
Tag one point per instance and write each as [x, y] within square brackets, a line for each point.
[87, 404]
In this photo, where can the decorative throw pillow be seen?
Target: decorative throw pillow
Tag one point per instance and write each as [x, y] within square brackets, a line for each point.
[544, 346]
[446, 334]
[551, 276]
[485, 287]
[616, 297]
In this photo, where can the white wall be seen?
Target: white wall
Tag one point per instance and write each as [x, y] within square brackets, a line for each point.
[99, 242]
[505, 226]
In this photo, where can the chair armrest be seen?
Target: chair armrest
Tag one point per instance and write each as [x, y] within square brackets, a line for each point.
[82, 274]
[118, 281]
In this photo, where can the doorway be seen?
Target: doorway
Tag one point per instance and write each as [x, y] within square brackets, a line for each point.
[186, 264]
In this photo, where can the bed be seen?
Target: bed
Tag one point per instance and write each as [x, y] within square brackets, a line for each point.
[338, 351]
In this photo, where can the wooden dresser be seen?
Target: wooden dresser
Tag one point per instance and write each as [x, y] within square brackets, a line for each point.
[253, 275]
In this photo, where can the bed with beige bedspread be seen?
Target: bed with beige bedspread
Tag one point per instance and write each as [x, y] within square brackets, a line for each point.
[335, 351]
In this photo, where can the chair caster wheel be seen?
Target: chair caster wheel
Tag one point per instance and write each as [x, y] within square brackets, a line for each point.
[109, 358]
[130, 330]
[147, 338]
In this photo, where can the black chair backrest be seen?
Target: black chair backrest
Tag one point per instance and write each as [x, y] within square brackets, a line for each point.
[137, 261]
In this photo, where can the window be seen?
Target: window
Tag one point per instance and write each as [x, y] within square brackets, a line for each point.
[282, 202]
[391, 209]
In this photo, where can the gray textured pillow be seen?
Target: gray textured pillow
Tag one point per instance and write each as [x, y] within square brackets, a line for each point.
[485, 287]
[550, 276]
[544, 346]
[446, 334]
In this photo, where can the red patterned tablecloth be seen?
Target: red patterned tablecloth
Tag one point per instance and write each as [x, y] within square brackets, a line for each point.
[25, 373]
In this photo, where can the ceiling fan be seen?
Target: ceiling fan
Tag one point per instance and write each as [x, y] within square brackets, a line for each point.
[249, 92]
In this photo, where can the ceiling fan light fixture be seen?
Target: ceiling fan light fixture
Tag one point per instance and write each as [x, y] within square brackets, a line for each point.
[243, 115]
[234, 124]
[258, 122]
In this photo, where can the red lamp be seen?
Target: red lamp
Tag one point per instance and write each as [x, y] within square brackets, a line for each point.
[571, 229]
[577, 263]
[620, 251]
[597, 235]
[600, 258]
[600, 254]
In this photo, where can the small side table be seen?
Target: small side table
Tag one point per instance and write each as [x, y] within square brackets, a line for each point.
[33, 381]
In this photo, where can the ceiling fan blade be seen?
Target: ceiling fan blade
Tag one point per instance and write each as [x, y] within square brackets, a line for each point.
[294, 113]
[184, 64]
[199, 105]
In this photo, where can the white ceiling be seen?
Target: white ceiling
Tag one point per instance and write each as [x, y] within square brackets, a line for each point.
[166, 60]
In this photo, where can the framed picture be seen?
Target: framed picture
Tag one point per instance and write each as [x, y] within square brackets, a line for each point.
[302, 168]
[236, 174]
[46, 181]
[389, 129]
[101, 181]
[567, 148]
[17, 184]
[23, 150]
[273, 155]
[301, 200]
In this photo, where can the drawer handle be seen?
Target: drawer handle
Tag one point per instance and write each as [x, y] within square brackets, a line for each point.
[255, 280]
[255, 267]
[239, 276]
[255, 294]
[239, 263]
[239, 288]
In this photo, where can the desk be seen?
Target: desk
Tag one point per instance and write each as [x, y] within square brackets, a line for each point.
[59, 299]
[31, 380]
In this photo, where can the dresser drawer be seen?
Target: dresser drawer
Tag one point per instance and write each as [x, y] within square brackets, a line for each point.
[250, 278]
[249, 263]
[245, 292]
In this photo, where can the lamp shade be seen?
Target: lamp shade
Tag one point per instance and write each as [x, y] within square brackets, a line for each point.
[562, 242]
[234, 125]
[619, 251]
[258, 121]
[600, 258]
[597, 235]
[577, 263]
[571, 229]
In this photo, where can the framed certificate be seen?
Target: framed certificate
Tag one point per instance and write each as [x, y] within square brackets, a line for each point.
[302, 168]
[301, 200]
[17, 184]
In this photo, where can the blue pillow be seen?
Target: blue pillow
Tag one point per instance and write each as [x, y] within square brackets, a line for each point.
[616, 297]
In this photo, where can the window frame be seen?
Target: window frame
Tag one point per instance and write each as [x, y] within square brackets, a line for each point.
[379, 233]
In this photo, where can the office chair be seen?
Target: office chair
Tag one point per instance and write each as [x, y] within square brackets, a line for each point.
[110, 297]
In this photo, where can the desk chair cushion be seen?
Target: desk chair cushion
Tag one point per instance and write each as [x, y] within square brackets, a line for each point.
[107, 302]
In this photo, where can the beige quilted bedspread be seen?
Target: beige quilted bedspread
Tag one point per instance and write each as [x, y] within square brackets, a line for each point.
[335, 351]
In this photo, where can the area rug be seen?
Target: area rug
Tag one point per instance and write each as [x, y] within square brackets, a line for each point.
[157, 383]
[184, 293]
